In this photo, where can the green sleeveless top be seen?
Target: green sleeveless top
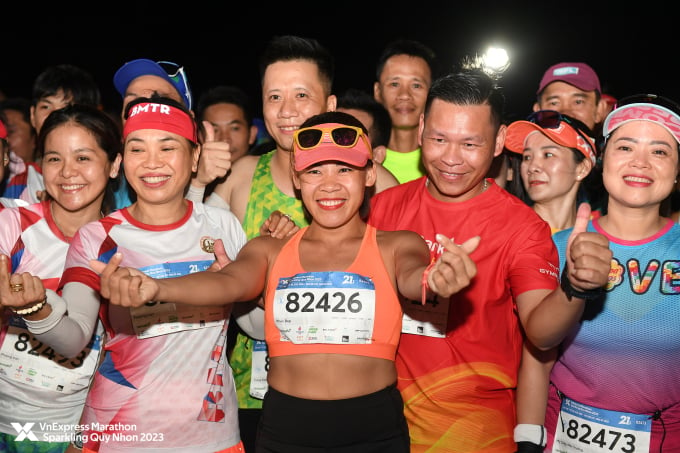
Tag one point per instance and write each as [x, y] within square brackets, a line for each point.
[404, 166]
[264, 198]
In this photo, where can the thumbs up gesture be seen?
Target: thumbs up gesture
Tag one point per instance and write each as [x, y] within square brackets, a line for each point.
[215, 159]
[588, 255]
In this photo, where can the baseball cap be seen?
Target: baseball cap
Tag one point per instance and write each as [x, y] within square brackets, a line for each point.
[558, 128]
[172, 72]
[579, 75]
[3, 130]
[645, 107]
[331, 141]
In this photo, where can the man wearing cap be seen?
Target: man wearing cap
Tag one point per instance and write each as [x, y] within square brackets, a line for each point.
[573, 89]
[144, 77]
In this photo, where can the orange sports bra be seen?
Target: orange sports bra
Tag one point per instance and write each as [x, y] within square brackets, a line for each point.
[353, 311]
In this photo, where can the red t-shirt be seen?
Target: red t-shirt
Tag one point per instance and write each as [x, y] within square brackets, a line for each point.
[459, 391]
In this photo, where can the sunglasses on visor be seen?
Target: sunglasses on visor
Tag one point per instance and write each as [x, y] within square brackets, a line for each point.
[650, 99]
[551, 119]
[344, 136]
[176, 73]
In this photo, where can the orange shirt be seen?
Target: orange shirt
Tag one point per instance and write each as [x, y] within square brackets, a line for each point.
[352, 311]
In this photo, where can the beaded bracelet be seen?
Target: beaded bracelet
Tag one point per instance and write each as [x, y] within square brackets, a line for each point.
[33, 309]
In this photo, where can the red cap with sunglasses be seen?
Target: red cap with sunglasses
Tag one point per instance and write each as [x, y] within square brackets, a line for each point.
[561, 129]
[331, 141]
[171, 72]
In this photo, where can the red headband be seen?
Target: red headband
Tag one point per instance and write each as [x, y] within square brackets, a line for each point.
[162, 117]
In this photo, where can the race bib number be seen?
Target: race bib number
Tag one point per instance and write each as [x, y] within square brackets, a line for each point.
[259, 370]
[428, 320]
[160, 318]
[325, 307]
[587, 429]
[25, 359]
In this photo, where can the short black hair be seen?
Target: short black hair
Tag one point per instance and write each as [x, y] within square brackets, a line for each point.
[469, 86]
[227, 94]
[290, 47]
[73, 80]
[411, 48]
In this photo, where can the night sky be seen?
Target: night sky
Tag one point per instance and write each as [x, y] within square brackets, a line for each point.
[633, 50]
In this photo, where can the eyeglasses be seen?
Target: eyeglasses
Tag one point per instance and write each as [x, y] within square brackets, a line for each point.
[551, 119]
[177, 74]
[344, 136]
[650, 99]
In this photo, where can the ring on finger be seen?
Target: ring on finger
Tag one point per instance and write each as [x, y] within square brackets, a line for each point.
[287, 216]
[16, 287]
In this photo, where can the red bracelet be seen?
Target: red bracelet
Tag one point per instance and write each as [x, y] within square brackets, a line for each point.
[423, 283]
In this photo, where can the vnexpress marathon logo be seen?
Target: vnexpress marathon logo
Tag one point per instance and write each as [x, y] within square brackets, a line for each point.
[24, 432]
[96, 432]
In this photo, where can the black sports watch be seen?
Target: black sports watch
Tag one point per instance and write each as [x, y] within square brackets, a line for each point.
[570, 291]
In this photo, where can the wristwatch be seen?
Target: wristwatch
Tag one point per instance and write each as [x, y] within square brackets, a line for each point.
[570, 291]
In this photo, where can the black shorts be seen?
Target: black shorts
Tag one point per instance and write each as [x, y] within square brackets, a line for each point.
[369, 423]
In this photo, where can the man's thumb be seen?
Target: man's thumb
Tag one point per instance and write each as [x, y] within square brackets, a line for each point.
[209, 132]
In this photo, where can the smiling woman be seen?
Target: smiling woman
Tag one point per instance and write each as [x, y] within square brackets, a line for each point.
[610, 363]
[338, 276]
[165, 235]
[81, 146]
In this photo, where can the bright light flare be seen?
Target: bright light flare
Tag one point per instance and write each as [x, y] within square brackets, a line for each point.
[495, 60]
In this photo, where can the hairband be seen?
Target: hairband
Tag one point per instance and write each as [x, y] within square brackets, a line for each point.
[163, 117]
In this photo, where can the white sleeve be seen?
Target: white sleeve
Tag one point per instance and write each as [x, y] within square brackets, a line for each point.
[70, 326]
[217, 201]
[194, 194]
[250, 321]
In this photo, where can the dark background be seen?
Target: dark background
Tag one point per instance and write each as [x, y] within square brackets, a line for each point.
[633, 49]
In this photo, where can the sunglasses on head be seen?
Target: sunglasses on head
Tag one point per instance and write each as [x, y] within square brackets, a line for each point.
[344, 136]
[650, 99]
[551, 119]
[176, 73]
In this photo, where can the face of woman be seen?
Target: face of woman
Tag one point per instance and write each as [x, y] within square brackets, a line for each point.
[158, 165]
[75, 169]
[549, 170]
[333, 191]
[640, 164]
